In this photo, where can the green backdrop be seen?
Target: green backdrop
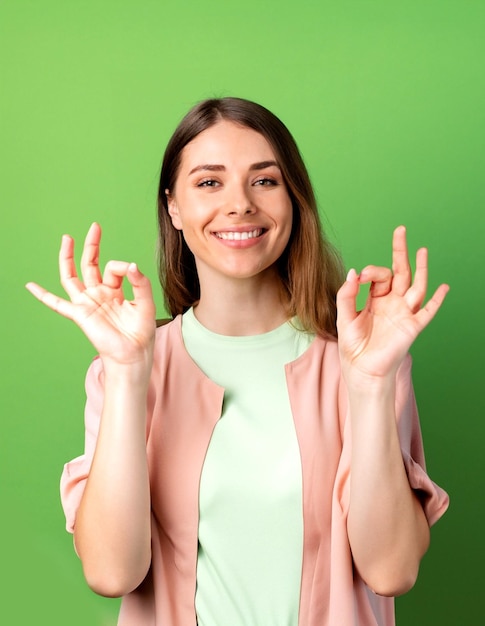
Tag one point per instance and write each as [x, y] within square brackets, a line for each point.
[386, 100]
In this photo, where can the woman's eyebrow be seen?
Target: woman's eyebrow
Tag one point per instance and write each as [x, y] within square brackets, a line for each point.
[262, 165]
[207, 166]
[213, 167]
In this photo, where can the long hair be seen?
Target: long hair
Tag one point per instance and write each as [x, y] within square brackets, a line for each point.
[310, 268]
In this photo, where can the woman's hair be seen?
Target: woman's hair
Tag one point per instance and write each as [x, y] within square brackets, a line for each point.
[310, 269]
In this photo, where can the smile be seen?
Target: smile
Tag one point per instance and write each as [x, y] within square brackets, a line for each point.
[238, 235]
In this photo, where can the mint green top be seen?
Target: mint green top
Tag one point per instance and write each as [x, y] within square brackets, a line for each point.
[250, 500]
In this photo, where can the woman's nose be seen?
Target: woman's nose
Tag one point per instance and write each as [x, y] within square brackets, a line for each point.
[239, 202]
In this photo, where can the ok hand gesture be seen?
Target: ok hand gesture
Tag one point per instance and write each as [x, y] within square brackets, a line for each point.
[374, 341]
[121, 330]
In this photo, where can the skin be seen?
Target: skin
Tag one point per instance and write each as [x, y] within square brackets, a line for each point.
[229, 181]
[112, 533]
[387, 529]
[240, 295]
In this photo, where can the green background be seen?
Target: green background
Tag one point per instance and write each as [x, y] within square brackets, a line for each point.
[386, 100]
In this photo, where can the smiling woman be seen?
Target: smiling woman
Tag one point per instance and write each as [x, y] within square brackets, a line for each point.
[309, 269]
[235, 215]
[258, 459]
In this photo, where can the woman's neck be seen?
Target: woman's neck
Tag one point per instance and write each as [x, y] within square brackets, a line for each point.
[242, 307]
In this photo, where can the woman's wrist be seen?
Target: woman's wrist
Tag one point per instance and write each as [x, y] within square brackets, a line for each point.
[368, 385]
[135, 372]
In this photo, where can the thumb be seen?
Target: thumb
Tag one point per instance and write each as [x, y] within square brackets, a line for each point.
[142, 289]
[347, 299]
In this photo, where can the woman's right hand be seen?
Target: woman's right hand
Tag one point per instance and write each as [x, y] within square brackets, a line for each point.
[122, 331]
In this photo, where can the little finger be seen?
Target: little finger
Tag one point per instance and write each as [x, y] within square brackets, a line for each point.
[59, 305]
[426, 314]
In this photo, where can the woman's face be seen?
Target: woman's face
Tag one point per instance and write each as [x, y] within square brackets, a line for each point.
[231, 203]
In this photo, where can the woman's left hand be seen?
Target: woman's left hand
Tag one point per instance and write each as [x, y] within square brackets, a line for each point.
[374, 341]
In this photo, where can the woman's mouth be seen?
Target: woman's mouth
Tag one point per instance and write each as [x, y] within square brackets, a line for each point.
[237, 235]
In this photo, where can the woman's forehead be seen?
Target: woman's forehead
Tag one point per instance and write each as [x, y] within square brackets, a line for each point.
[227, 142]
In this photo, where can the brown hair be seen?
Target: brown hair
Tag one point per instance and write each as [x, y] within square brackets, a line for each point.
[310, 269]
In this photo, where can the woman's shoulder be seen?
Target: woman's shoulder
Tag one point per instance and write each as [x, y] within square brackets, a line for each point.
[167, 326]
[168, 334]
[163, 321]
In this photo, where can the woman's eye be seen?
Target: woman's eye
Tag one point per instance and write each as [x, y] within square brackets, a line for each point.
[266, 182]
[209, 182]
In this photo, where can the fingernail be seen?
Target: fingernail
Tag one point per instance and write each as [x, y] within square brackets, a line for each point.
[351, 274]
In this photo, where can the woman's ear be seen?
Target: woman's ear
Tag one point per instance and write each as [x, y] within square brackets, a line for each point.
[173, 210]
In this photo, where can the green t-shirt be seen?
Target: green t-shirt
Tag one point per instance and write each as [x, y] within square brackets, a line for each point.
[250, 500]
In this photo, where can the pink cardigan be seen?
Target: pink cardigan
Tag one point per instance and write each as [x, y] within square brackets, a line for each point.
[183, 408]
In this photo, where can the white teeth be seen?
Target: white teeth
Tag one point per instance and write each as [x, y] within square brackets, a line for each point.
[237, 235]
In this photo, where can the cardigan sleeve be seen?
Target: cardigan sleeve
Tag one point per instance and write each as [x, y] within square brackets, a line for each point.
[75, 473]
[434, 499]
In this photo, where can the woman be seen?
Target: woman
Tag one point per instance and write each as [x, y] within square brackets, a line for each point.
[242, 466]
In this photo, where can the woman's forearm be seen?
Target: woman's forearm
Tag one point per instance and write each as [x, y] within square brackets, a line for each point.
[387, 528]
[112, 530]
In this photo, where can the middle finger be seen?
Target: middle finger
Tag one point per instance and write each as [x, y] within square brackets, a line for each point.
[90, 257]
[400, 262]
